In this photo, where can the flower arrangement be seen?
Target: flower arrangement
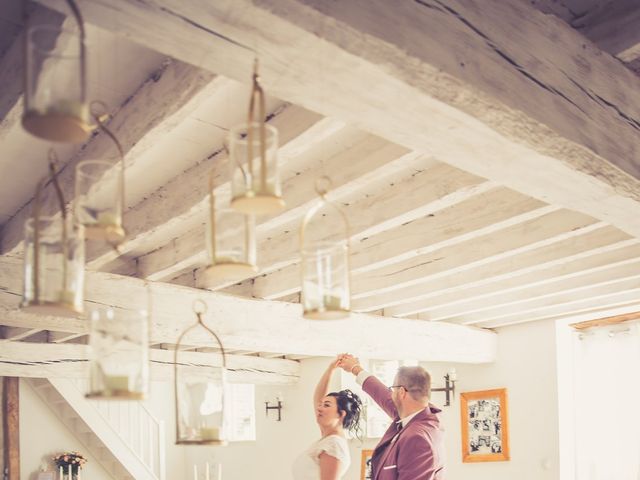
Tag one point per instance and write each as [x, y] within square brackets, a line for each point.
[70, 460]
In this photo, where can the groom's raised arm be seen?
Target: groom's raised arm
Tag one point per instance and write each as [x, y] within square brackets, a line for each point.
[370, 384]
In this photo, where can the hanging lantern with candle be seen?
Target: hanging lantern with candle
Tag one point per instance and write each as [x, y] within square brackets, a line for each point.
[325, 262]
[232, 253]
[119, 361]
[199, 389]
[99, 191]
[253, 155]
[53, 258]
[56, 82]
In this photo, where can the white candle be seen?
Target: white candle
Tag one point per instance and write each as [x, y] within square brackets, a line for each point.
[219, 472]
[195, 472]
[61, 473]
[207, 472]
[69, 471]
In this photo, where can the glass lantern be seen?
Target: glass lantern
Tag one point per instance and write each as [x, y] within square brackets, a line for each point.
[119, 362]
[199, 389]
[232, 252]
[53, 261]
[253, 155]
[324, 263]
[56, 83]
[99, 192]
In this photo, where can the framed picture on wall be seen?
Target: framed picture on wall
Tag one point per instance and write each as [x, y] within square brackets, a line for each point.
[485, 433]
[365, 465]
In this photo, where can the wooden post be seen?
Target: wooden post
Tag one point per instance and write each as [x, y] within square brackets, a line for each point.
[11, 427]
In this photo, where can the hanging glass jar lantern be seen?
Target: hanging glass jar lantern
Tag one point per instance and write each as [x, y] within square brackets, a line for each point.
[232, 257]
[119, 361]
[99, 191]
[53, 258]
[199, 389]
[326, 292]
[56, 82]
[253, 155]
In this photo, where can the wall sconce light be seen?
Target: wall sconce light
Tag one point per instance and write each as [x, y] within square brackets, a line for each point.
[449, 386]
[277, 406]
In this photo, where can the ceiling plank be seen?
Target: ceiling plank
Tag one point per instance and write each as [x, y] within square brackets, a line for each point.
[264, 326]
[467, 290]
[490, 99]
[153, 110]
[569, 309]
[50, 360]
[486, 209]
[513, 248]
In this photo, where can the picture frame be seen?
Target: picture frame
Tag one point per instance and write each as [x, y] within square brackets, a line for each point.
[366, 472]
[484, 423]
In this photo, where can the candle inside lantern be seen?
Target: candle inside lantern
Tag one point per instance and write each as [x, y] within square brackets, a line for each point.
[116, 383]
[209, 433]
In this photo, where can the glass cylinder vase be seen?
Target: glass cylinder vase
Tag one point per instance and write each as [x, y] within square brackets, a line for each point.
[255, 178]
[53, 267]
[55, 95]
[99, 191]
[119, 360]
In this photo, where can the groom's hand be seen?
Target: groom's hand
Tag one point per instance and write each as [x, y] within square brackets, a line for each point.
[348, 362]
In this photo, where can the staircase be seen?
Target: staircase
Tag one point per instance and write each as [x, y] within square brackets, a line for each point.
[125, 438]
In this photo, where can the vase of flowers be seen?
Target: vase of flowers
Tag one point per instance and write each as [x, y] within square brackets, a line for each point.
[69, 465]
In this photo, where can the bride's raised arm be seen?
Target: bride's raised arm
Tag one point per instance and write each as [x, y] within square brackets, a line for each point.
[323, 384]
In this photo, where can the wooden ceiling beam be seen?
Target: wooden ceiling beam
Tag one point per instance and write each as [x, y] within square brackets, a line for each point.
[507, 95]
[260, 325]
[50, 360]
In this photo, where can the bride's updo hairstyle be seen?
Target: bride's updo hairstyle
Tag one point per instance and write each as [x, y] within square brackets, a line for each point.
[350, 403]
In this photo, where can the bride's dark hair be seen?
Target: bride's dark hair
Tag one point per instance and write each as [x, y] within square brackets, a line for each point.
[350, 403]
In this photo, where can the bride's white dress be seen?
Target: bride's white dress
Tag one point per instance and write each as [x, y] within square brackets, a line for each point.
[307, 465]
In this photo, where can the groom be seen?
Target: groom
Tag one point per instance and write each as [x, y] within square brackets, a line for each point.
[412, 448]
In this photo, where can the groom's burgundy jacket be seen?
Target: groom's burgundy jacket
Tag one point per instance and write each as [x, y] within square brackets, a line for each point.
[414, 453]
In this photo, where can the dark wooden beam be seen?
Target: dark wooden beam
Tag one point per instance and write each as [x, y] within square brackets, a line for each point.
[11, 427]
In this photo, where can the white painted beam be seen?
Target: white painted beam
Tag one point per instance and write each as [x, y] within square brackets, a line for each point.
[154, 109]
[507, 95]
[48, 360]
[268, 326]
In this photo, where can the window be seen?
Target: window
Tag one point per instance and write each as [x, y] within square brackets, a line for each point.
[241, 410]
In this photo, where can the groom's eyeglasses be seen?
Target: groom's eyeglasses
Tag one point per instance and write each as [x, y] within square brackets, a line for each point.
[397, 386]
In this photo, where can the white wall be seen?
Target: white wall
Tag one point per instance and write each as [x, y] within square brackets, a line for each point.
[43, 435]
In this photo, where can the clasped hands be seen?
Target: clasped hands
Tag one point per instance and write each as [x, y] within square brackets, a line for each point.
[346, 361]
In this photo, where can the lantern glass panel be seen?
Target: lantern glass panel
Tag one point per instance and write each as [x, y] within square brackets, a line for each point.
[233, 257]
[55, 107]
[325, 280]
[54, 278]
[98, 204]
[252, 190]
[119, 363]
[200, 390]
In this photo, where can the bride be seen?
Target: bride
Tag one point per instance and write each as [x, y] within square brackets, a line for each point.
[328, 458]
